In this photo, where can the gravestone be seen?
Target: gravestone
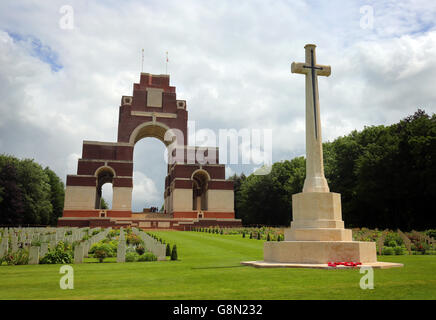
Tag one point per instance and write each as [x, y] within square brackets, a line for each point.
[44, 249]
[4, 246]
[86, 247]
[78, 253]
[121, 251]
[34, 255]
[14, 243]
[157, 248]
[60, 235]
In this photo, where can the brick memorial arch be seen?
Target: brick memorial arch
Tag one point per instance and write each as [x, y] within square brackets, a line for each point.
[196, 192]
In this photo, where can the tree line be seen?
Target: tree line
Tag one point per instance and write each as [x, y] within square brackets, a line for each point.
[386, 176]
[29, 194]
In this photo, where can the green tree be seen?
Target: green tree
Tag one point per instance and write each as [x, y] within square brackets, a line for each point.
[267, 199]
[237, 183]
[103, 204]
[29, 194]
[386, 176]
[11, 198]
[174, 253]
[35, 187]
[57, 195]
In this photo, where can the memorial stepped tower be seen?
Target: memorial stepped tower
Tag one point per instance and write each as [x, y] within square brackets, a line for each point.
[196, 191]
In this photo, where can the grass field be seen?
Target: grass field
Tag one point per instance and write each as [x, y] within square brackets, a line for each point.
[209, 269]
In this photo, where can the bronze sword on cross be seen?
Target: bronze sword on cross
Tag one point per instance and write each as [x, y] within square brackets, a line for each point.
[310, 68]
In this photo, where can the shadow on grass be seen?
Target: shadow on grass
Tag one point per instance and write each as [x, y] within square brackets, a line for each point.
[221, 267]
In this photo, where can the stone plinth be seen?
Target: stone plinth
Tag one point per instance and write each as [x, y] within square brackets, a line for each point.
[319, 252]
[317, 234]
[317, 216]
[263, 264]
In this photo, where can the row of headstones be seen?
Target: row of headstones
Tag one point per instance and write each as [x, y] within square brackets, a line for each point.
[81, 250]
[27, 235]
[23, 237]
[423, 237]
[406, 241]
[157, 248]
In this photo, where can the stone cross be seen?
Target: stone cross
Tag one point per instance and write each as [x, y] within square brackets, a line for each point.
[315, 179]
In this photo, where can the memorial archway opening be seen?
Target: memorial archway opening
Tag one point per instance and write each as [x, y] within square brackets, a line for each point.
[149, 171]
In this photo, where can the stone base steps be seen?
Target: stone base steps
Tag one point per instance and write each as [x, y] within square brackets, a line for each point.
[174, 224]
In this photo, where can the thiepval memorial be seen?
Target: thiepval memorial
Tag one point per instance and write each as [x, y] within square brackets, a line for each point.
[317, 234]
[196, 191]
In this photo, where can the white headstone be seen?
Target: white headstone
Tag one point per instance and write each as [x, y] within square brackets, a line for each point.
[4, 246]
[34, 255]
[14, 243]
[44, 249]
[86, 246]
[78, 253]
[121, 251]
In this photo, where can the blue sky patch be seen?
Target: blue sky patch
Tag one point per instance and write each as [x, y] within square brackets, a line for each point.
[38, 49]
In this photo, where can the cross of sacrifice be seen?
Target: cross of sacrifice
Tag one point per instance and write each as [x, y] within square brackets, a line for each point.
[315, 180]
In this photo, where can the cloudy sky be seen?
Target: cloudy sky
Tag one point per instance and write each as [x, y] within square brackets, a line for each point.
[64, 66]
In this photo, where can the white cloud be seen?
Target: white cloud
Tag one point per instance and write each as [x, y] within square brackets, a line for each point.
[145, 193]
[229, 60]
[229, 172]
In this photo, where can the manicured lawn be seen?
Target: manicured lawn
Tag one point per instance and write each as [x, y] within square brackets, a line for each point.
[209, 269]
